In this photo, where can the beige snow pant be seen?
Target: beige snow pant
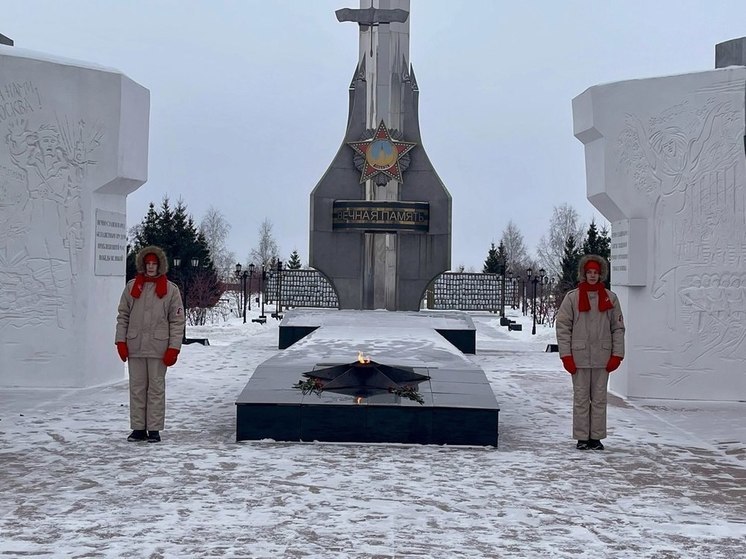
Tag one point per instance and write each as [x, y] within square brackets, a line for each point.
[589, 404]
[147, 393]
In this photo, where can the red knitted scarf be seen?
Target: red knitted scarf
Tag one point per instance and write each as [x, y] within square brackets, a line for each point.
[161, 285]
[584, 303]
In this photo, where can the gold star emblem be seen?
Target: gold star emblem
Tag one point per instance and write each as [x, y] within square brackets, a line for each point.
[382, 154]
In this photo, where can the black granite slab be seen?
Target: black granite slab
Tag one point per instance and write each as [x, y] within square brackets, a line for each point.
[459, 407]
[455, 326]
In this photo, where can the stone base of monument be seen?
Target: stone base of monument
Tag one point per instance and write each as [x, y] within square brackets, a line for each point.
[456, 327]
[314, 391]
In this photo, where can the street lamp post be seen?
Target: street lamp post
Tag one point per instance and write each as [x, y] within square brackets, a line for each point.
[242, 276]
[251, 281]
[543, 279]
[194, 261]
[502, 287]
[522, 295]
[278, 305]
[263, 295]
[531, 280]
[512, 289]
[534, 280]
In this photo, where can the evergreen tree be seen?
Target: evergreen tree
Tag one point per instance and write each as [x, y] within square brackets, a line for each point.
[502, 258]
[492, 263]
[294, 262]
[569, 269]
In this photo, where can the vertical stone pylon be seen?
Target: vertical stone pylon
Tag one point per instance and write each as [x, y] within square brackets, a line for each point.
[383, 47]
[380, 227]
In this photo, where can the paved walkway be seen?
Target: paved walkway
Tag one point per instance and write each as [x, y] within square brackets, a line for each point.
[71, 486]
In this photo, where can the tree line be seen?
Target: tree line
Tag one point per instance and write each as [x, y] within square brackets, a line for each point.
[557, 253]
[185, 242]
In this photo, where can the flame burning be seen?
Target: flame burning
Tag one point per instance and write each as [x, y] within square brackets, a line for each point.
[362, 358]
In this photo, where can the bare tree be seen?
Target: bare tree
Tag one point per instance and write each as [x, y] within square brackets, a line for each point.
[551, 248]
[516, 255]
[215, 228]
[266, 251]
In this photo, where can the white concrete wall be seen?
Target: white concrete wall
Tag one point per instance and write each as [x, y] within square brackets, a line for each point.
[73, 144]
[665, 165]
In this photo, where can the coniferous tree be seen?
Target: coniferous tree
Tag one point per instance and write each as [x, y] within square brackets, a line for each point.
[502, 258]
[492, 263]
[569, 269]
[294, 262]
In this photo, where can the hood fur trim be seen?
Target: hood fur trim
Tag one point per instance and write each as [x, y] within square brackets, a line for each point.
[603, 275]
[152, 249]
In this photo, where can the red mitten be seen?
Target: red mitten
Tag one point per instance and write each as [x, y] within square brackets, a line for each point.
[613, 364]
[569, 364]
[123, 351]
[169, 358]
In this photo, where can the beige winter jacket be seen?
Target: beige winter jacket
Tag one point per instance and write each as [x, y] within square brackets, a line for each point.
[590, 337]
[150, 324]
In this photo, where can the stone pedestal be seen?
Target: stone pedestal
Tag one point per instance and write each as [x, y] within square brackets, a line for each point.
[665, 165]
[73, 144]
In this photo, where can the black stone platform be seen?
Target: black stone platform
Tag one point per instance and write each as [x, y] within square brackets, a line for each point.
[458, 406]
[456, 327]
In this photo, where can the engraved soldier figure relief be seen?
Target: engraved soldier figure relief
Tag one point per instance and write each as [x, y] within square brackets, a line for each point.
[666, 164]
[73, 145]
[42, 173]
[685, 159]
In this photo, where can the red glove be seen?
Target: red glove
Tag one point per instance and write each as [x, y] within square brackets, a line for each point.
[123, 351]
[169, 358]
[569, 364]
[613, 364]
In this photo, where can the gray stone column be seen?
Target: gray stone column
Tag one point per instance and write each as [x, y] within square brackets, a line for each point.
[384, 63]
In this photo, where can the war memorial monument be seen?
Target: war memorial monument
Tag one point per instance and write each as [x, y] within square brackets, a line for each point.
[378, 369]
[73, 144]
[665, 165]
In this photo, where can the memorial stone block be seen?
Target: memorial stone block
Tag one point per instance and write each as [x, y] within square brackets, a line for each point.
[73, 144]
[665, 164]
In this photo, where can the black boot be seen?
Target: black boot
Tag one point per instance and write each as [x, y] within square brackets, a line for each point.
[154, 437]
[595, 444]
[137, 435]
[582, 445]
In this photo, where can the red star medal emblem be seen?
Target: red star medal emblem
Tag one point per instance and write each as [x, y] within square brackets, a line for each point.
[382, 154]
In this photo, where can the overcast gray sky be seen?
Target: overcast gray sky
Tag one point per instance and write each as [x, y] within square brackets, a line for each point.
[249, 98]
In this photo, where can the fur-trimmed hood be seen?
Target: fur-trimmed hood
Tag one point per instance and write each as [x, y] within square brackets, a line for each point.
[601, 261]
[152, 249]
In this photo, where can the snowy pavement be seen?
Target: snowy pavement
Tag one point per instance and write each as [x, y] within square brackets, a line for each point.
[672, 482]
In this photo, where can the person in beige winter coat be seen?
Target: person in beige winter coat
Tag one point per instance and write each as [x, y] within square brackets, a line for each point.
[590, 336]
[150, 329]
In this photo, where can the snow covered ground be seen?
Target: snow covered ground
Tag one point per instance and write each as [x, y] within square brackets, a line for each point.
[672, 482]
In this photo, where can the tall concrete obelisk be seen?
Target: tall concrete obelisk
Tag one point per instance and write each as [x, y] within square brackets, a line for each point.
[380, 216]
[386, 47]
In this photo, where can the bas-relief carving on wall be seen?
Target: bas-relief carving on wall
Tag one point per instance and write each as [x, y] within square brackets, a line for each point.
[44, 159]
[688, 160]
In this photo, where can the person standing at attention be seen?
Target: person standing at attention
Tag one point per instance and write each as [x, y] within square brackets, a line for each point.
[150, 328]
[590, 336]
